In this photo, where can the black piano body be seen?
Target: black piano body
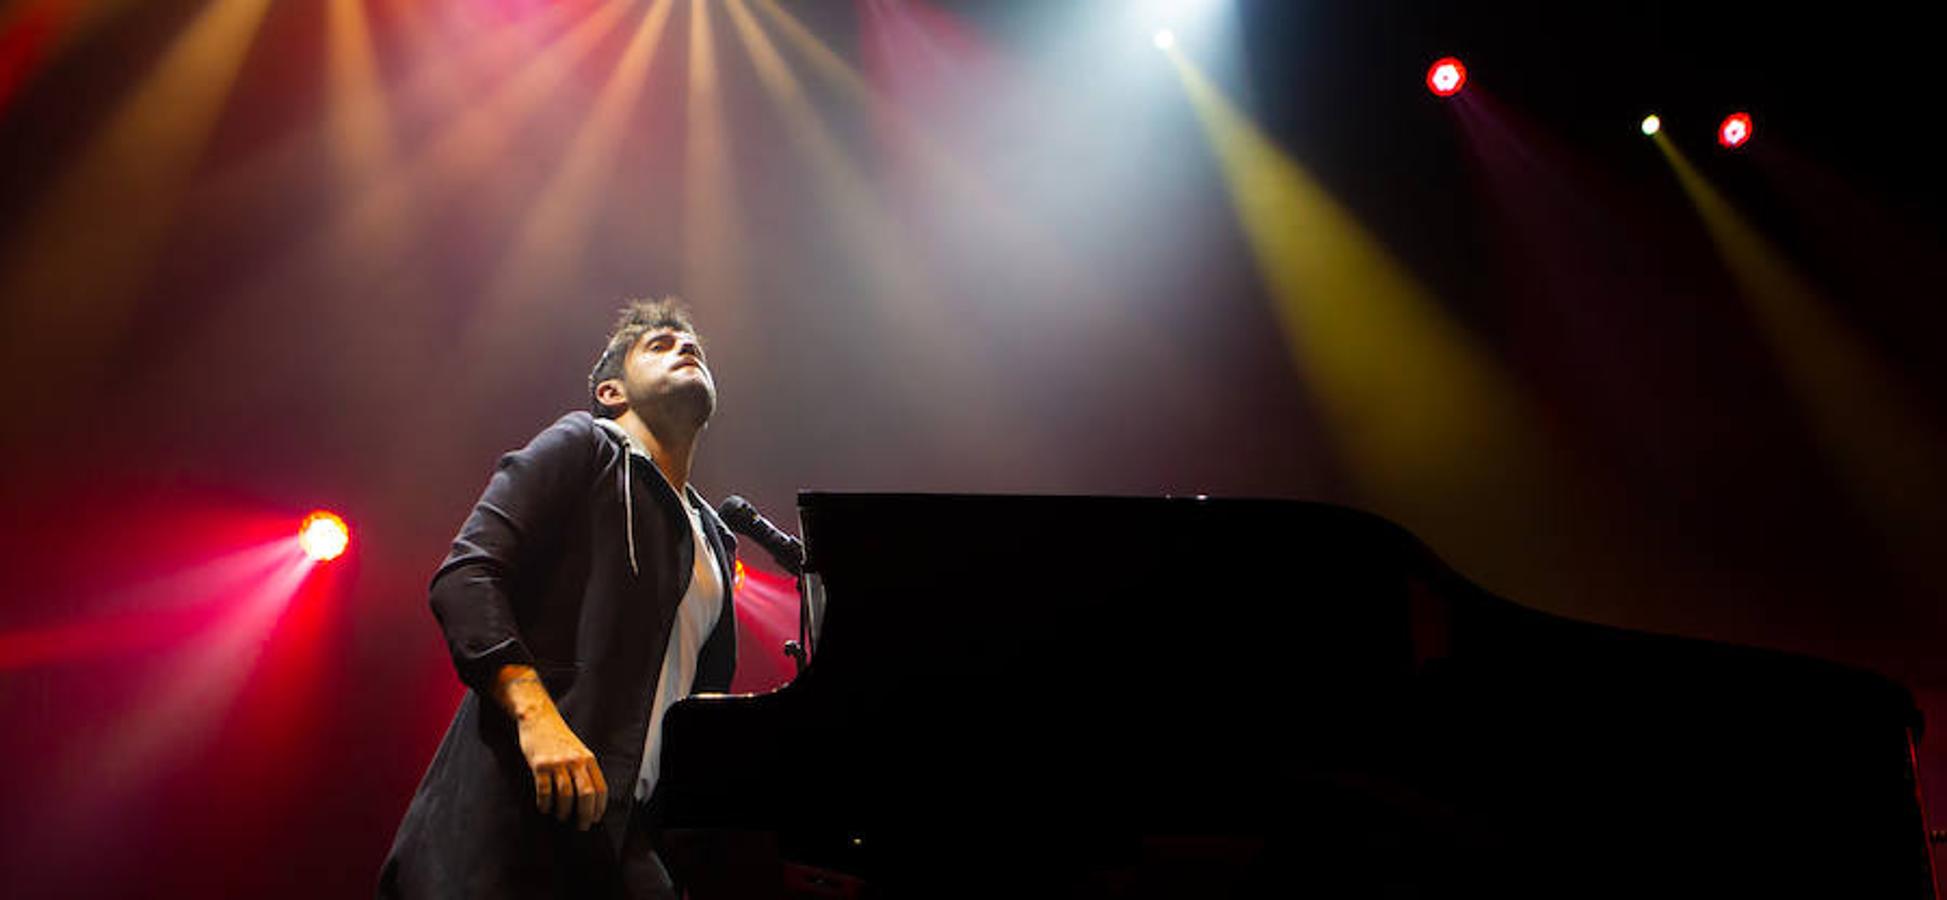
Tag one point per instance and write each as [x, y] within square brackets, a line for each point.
[1137, 697]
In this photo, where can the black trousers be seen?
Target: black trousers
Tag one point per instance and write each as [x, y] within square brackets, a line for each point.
[643, 875]
[587, 865]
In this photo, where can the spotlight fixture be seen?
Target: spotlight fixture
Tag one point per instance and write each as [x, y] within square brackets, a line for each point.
[1165, 39]
[1447, 77]
[1735, 131]
[1651, 125]
[323, 536]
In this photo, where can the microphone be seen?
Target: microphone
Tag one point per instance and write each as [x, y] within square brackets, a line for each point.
[744, 519]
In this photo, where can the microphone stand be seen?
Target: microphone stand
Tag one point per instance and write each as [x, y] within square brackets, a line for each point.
[788, 551]
[800, 649]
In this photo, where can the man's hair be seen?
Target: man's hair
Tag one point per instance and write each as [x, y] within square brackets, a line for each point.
[640, 317]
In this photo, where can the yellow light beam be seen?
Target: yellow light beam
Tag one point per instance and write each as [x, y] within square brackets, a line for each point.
[1432, 430]
[361, 136]
[362, 247]
[467, 148]
[1026, 239]
[938, 164]
[480, 137]
[1875, 434]
[900, 286]
[445, 76]
[374, 226]
[450, 72]
[360, 133]
[823, 58]
[552, 237]
[877, 242]
[713, 230]
[1086, 300]
[70, 274]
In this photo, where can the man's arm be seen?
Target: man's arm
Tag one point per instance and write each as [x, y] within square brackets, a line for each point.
[528, 497]
[567, 779]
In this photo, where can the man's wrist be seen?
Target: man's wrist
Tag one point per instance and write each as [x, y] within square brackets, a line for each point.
[522, 694]
[527, 700]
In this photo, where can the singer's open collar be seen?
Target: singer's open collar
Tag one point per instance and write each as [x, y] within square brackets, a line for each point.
[691, 498]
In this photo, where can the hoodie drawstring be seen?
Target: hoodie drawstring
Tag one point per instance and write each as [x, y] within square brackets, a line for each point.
[628, 509]
[628, 495]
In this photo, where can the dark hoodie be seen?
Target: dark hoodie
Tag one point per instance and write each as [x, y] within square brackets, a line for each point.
[574, 562]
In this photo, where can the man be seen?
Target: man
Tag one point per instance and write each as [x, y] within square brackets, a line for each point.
[588, 590]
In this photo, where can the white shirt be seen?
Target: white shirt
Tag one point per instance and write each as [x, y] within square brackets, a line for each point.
[696, 615]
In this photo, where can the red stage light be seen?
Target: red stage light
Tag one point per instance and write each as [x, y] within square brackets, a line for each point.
[1735, 131]
[1447, 77]
[323, 536]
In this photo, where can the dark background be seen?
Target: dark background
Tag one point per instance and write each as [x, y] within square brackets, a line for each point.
[206, 339]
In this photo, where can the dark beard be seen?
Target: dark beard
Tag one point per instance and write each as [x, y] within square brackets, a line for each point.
[688, 405]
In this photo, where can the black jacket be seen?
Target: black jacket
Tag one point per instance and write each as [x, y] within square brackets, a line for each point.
[573, 561]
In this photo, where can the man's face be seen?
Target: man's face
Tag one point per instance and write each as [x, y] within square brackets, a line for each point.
[665, 377]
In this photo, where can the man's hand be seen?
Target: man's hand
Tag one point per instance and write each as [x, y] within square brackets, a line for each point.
[567, 780]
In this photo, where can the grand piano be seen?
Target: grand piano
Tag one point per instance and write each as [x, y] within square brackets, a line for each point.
[1189, 697]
